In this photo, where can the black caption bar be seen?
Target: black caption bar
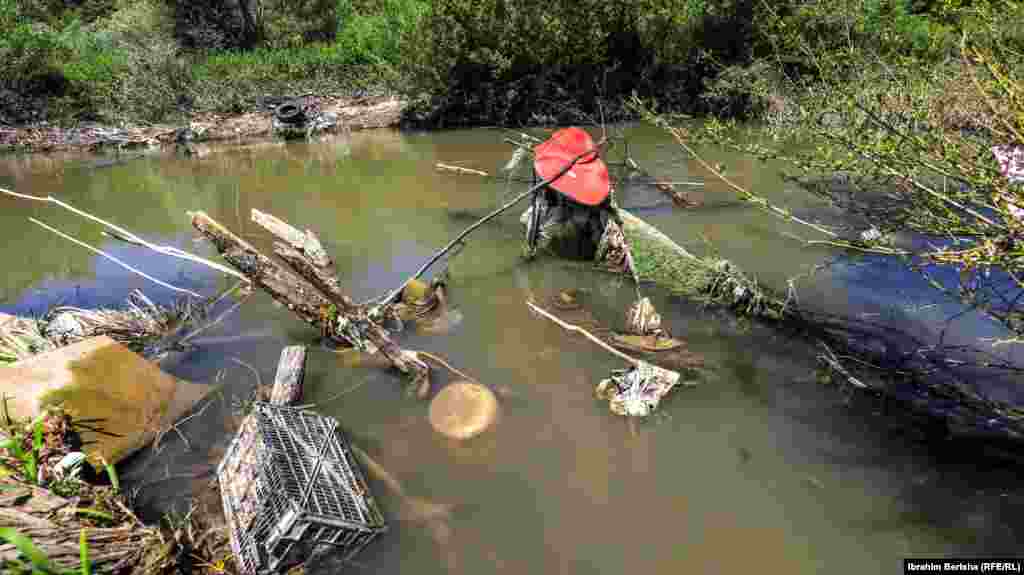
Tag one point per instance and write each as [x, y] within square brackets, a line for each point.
[956, 565]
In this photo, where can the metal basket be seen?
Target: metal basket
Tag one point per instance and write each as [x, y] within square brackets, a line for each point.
[291, 488]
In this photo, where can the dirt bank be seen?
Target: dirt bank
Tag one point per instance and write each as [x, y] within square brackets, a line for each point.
[351, 114]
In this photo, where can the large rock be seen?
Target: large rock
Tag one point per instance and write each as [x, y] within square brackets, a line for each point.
[100, 379]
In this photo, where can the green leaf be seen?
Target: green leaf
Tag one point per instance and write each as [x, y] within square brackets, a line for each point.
[31, 468]
[94, 513]
[83, 552]
[112, 474]
[37, 440]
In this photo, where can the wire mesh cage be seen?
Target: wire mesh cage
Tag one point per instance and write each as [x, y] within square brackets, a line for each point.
[291, 488]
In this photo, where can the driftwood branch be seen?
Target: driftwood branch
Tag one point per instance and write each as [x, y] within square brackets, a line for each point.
[344, 324]
[307, 242]
[303, 252]
[128, 236]
[291, 370]
[583, 332]
[460, 170]
[458, 239]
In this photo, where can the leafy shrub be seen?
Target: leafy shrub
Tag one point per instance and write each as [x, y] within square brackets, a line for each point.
[373, 33]
[523, 60]
[249, 24]
[290, 23]
[28, 52]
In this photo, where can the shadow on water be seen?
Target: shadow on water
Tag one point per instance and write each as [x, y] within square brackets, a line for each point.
[761, 458]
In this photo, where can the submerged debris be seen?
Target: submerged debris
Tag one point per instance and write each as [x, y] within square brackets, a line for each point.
[645, 343]
[290, 484]
[463, 410]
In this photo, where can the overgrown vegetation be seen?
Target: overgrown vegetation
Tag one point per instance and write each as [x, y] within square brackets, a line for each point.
[909, 117]
[907, 143]
[523, 61]
[461, 61]
[153, 60]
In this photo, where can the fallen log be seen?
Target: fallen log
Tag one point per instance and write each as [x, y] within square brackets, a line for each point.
[303, 252]
[918, 372]
[710, 280]
[336, 317]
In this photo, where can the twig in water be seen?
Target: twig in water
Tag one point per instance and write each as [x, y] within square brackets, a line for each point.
[445, 364]
[114, 259]
[585, 333]
[174, 426]
[830, 358]
[218, 319]
[334, 397]
[259, 380]
[127, 236]
[460, 170]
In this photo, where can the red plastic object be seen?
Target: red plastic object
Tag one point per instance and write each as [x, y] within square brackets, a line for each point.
[587, 182]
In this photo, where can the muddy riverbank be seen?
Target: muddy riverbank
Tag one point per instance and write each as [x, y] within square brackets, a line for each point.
[351, 114]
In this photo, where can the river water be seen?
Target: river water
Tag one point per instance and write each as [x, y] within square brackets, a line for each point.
[759, 467]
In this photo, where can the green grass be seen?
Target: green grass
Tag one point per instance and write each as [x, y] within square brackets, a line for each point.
[29, 459]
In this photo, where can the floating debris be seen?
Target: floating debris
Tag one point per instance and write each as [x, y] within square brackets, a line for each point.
[634, 392]
[567, 300]
[643, 319]
[138, 325]
[290, 484]
[463, 410]
[637, 391]
[645, 343]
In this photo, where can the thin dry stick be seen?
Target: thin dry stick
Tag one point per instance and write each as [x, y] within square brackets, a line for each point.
[334, 397]
[129, 237]
[255, 372]
[444, 364]
[743, 192]
[115, 260]
[460, 169]
[377, 471]
[174, 427]
[632, 164]
[458, 239]
[219, 318]
[585, 333]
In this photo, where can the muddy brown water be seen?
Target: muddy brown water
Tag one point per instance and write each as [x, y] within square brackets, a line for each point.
[759, 467]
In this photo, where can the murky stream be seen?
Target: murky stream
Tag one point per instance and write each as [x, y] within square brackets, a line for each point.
[759, 467]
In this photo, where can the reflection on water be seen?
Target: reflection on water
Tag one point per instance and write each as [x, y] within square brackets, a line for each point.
[758, 467]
